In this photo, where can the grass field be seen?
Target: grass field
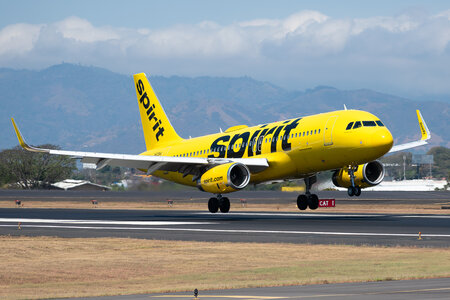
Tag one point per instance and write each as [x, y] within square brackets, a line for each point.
[43, 267]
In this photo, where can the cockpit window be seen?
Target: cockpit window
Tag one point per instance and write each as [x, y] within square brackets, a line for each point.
[379, 123]
[369, 123]
[357, 125]
[349, 126]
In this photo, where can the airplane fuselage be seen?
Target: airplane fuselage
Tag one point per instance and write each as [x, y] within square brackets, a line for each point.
[295, 148]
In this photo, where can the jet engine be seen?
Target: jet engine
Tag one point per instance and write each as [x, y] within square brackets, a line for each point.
[366, 175]
[224, 178]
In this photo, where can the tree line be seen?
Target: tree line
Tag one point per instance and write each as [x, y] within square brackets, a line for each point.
[32, 170]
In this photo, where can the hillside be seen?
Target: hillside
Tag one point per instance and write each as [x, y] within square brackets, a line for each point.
[93, 109]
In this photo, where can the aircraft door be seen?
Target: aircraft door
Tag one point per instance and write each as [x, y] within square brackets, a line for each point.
[328, 131]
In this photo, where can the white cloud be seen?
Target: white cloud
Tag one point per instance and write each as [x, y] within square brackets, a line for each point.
[307, 47]
[83, 31]
[18, 38]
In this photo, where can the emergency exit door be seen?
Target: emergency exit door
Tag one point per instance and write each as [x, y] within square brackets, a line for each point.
[328, 131]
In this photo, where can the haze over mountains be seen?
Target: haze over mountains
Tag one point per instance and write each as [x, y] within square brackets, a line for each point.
[93, 109]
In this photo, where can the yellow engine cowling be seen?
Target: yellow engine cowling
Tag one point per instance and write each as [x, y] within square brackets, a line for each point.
[366, 175]
[224, 178]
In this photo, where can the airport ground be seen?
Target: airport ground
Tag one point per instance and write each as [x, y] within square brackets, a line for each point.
[83, 250]
[191, 199]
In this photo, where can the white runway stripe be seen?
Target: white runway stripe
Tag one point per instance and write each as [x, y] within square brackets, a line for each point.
[240, 231]
[337, 215]
[104, 222]
[426, 216]
[292, 214]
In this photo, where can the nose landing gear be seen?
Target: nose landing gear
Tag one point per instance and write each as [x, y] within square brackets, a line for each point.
[353, 190]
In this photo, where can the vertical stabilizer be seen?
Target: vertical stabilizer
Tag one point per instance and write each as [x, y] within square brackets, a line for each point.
[157, 128]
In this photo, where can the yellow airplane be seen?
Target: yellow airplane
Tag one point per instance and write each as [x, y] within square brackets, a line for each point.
[346, 141]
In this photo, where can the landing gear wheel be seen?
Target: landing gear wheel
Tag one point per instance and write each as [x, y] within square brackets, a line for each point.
[351, 191]
[358, 191]
[302, 202]
[213, 205]
[224, 205]
[313, 201]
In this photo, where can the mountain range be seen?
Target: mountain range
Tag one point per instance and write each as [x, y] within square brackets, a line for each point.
[92, 109]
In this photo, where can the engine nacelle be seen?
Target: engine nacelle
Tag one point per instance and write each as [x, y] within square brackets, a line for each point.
[224, 178]
[366, 175]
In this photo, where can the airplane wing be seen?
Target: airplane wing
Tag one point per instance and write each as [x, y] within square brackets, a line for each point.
[184, 165]
[426, 135]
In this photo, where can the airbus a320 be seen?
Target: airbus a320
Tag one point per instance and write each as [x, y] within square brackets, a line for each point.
[348, 142]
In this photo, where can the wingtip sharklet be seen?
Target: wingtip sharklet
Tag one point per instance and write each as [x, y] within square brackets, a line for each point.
[22, 141]
[426, 135]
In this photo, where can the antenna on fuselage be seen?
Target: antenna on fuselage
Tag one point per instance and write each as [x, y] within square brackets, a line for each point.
[220, 129]
[345, 107]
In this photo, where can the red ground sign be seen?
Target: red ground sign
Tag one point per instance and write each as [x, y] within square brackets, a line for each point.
[327, 203]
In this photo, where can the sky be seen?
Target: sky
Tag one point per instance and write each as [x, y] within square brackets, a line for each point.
[399, 47]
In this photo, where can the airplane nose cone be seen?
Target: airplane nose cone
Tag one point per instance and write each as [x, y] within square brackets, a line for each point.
[381, 140]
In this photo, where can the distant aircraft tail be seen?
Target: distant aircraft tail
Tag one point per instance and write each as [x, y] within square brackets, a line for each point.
[157, 128]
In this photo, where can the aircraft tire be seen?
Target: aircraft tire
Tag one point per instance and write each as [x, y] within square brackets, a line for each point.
[224, 205]
[351, 191]
[358, 191]
[313, 201]
[213, 205]
[302, 202]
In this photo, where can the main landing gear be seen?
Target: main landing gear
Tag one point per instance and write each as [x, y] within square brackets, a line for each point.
[353, 190]
[308, 200]
[222, 203]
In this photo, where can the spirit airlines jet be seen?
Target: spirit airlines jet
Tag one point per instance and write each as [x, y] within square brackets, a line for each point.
[345, 141]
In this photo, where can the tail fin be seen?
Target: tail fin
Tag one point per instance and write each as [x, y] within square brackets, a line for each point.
[157, 128]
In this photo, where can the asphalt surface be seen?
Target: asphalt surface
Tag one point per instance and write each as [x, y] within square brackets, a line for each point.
[315, 228]
[408, 289]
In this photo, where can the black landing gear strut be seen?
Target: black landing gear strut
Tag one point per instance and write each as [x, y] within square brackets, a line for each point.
[222, 203]
[353, 190]
[308, 200]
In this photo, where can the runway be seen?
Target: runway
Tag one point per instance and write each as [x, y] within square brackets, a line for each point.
[404, 289]
[265, 227]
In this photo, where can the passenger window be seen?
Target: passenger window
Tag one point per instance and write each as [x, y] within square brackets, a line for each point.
[307, 132]
[319, 131]
[369, 123]
[349, 126]
[315, 131]
[379, 123]
[357, 125]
